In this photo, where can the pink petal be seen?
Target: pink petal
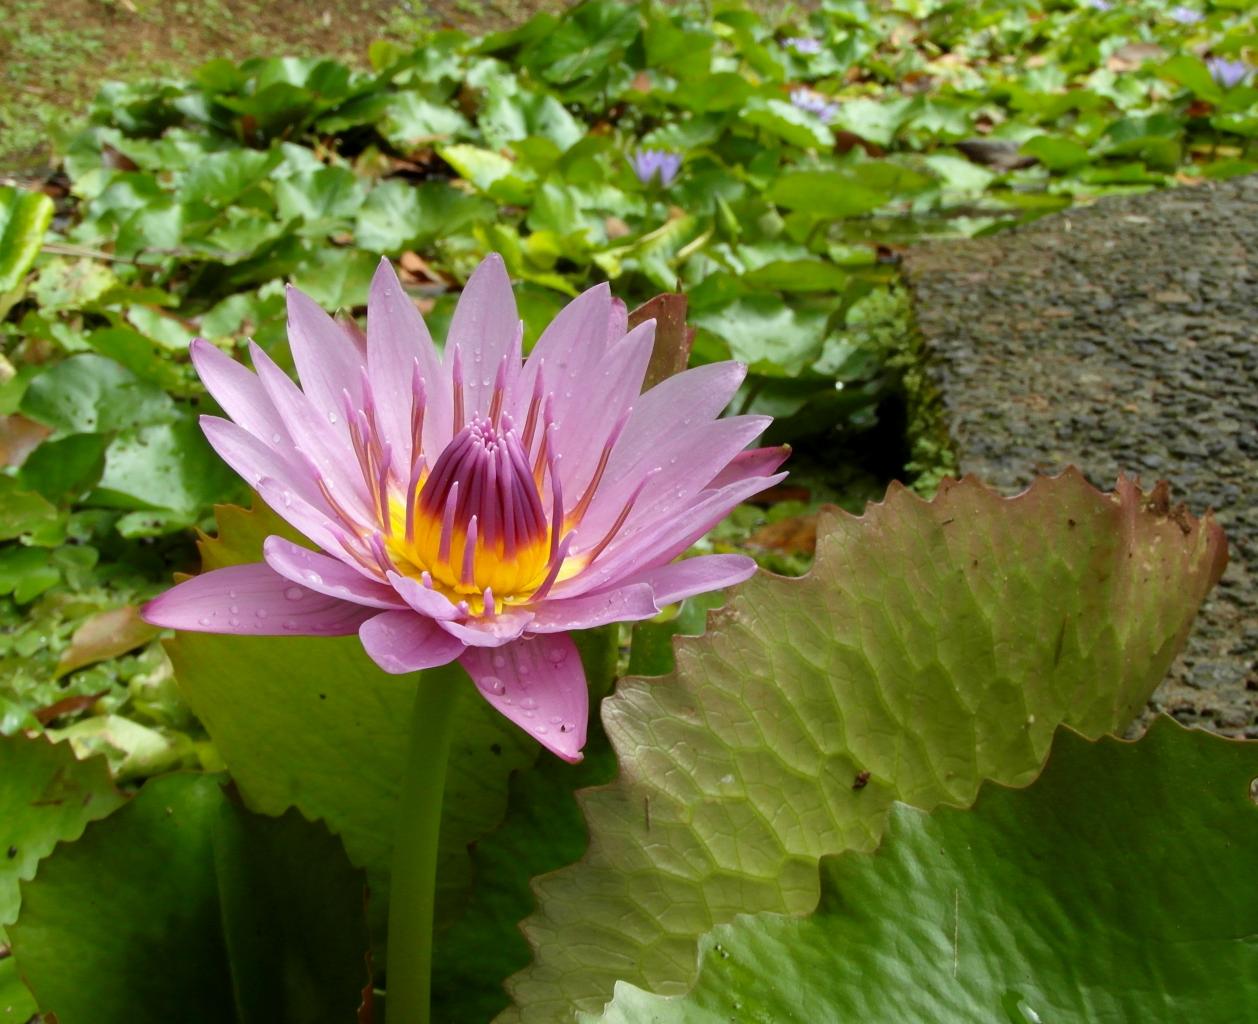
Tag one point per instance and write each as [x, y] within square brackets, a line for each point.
[753, 462]
[671, 409]
[327, 360]
[484, 327]
[679, 580]
[327, 575]
[239, 392]
[421, 598]
[572, 343]
[624, 604]
[312, 523]
[252, 600]
[405, 642]
[254, 459]
[539, 684]
[617, 320]
[285, 489]
[586, 413]
[658, 543]
[491, 630]
[315, 433]
[685, 463]
[397, 338]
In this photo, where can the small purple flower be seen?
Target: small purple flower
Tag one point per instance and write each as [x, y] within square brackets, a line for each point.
[1228, 73]
[803, 44]
[474, 505]
[655, 163]
[815, 104]
[1100, 5]
[1185, 15]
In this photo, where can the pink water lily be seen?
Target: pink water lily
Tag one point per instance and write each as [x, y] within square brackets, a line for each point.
[474, 506]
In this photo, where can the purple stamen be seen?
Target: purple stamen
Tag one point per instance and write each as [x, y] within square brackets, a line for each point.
[447, 524]
[500, 389]
[556, 563]
[530, 422]
[456, 376]
[508, 503]
[583, 505]
[382, 554]
[468, 576]
[419, 403]
[624, 514]
[556, 510]
[489, 504]
[543, 449]
[386, 463]
[325, 489]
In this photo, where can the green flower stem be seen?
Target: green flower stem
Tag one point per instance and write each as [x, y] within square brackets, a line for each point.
[409, 968]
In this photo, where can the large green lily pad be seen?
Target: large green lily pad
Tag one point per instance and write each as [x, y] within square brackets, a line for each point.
[1118, 887]
[933, 646]
[47, 796]
[183, 906]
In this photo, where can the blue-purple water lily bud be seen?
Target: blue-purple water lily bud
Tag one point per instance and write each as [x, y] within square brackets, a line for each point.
[655, 163]
[1228, 73]
[815, 104]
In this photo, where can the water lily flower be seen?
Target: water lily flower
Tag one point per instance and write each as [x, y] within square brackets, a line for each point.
[803, 44]
[815, 104]
[655, 163]
[1228, 73]
[474, 505]
[1185, 15]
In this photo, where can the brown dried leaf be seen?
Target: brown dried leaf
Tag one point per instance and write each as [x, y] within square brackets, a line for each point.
[793, 535]
[18, 438]
[105, 635]
[673, 339]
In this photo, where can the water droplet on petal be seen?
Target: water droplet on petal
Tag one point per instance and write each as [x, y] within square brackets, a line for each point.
[500, 660]
[494, 685]
[556, 720]
[233, 623]
[315, 578]
[231, 594]
[541, 730]
[203, 622]
[331, 417]
[277, 437]
[290, 624]
[287, 498]
[294, 593]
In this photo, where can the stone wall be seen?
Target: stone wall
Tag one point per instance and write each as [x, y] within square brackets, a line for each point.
[1121, 336]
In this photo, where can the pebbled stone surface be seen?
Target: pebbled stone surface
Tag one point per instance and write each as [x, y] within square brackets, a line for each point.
[1122, 336]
